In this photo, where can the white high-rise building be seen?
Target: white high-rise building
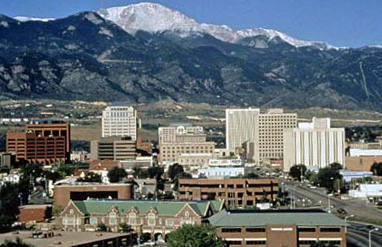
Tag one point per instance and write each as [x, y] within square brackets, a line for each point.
[119, 121]
[314, 144]
[240, 127]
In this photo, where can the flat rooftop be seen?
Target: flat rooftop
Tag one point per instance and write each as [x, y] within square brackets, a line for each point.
[67, 239]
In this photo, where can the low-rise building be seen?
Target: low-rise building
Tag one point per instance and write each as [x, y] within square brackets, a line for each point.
[34, 213]
[144, 187]
[113, 148]
[362, 162]
[367, 191]
[155, 217]
[81, 191]
[224, 172]
[279, 228]
[237, 192]
[348, 176]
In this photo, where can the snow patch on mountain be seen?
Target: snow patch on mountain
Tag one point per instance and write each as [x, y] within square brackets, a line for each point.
[25, 19]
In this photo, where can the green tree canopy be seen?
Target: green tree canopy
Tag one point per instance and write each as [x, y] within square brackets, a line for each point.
[194, 236]
[174, 170]
[376, 169]
[9, 202]
[116, 174]
[295, 171]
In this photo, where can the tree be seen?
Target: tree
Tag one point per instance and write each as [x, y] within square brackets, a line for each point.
[252, 175]
[155, 172]
[295, 171]
[329, 176]
[9, 202]
[195, 236]
[123, 227]
[17, 243]
[116, 174]
[101, 227]
[174, 170]
[140, 173]
[91, 177]
[180, 176]
[376, 169]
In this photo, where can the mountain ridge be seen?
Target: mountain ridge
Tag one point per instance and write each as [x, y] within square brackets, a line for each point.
[87, 57]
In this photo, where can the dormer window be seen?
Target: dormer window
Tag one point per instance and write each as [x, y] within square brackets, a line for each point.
[132, 219]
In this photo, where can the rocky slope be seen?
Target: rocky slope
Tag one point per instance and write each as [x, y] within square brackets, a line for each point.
[107, 56]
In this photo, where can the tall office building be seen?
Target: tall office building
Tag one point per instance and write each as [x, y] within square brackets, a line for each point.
[269, 142]
[240, 127]
[41, 143]
[314, 144]
[261, 132]
[119, 120]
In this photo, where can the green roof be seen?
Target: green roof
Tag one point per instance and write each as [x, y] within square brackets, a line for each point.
[261, 218]
[163, 207]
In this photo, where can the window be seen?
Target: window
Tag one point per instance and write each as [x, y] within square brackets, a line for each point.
[306, 242]
[112, 220]
[233, 242]
[68, 221]
[169, 222]
[255, 229]
[132, 219]
[151, 219]
[256, 242]
[231, 230]
[306, 229]
[330, 229]
[93, 220]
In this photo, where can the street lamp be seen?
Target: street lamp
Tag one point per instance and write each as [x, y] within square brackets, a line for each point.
[372, 230]
[346, 218]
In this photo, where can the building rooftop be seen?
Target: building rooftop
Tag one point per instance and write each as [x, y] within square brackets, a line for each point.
[240, 218]
[162, 207]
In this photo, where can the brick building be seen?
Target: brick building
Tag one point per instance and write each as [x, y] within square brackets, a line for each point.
[279, 228]
[155, 217]
[34, 213]
[40, 143]
[81, 191]
[235, 191]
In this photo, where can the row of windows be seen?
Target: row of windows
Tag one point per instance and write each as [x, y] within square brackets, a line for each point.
[257, 229]
[237, 230]
[248, 242]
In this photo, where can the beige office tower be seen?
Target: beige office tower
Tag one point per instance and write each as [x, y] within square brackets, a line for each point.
[113, 148]
[240, 127]
[269, 145]
[186, 145]
[314, 144]
[119, 120]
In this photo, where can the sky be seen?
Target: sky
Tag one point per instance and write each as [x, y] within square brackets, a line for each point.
[349, 23]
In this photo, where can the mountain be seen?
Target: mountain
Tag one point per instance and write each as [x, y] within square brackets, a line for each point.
[151, 17]
[120, 55]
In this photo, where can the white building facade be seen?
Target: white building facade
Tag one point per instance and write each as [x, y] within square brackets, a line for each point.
[314, 144]
[119, 121]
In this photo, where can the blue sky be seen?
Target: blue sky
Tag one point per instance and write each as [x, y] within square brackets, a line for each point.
[352, 23]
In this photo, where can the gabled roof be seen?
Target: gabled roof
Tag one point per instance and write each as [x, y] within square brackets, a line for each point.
[102, 207]
[258, 218]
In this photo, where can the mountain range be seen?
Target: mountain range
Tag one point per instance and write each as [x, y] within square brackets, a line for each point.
[146, 52]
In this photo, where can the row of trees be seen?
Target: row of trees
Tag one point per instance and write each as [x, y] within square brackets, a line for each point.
[328, 177]
[376, 169]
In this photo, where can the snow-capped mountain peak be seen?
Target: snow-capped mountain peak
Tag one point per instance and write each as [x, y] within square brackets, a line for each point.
[152, 17]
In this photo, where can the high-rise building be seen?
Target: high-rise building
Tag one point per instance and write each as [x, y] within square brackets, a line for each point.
[186, 145]
[41, 143]
[119, 120]
[269, 142]
[240, 127]
[260, 132]
[315, 144]
[113, 148]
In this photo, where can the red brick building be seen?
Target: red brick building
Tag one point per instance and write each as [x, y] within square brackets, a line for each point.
[242, 192]
[34, 213]
[40, 143]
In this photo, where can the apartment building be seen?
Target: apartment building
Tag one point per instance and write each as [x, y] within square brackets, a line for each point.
[292, 228]
[113, 148]
[240, 192]
[260, 132]
[157, 218]
[119, 120]
[186, 145]
[40, 143]
[314, 144]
